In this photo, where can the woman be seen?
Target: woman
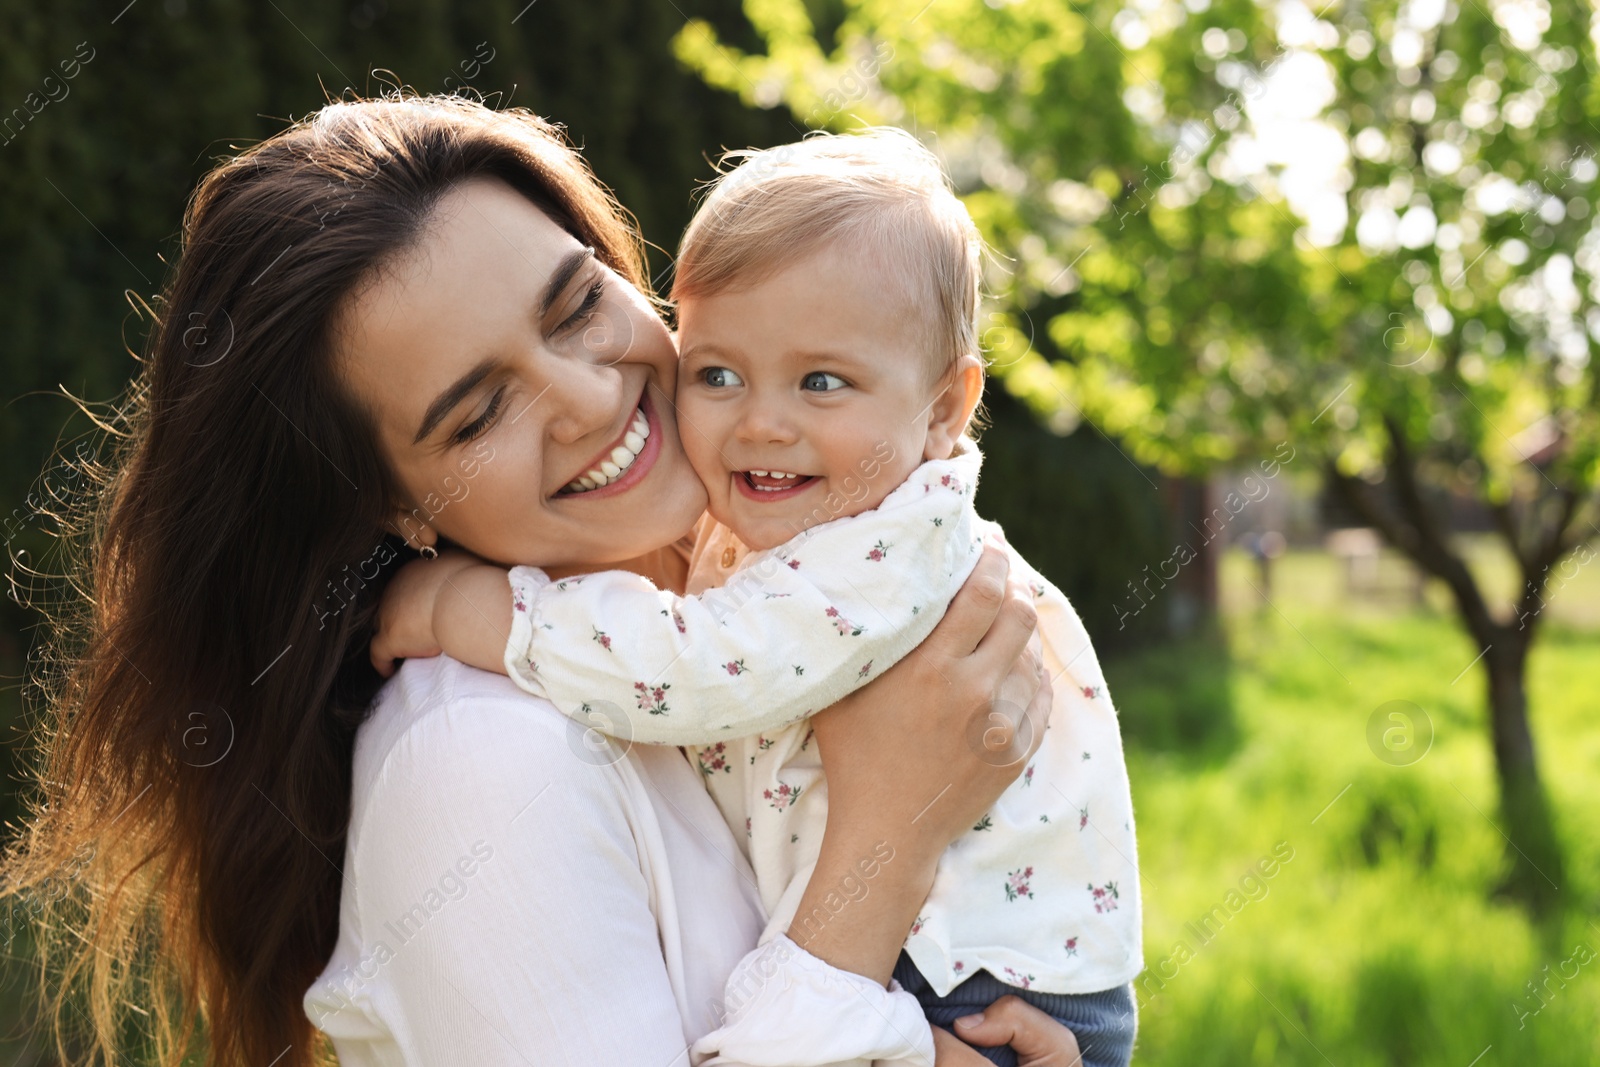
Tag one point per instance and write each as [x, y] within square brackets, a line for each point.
[399, 322]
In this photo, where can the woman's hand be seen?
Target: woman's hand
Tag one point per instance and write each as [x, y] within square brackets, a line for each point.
[913, 760]
[1037, 1039]
[928, 747]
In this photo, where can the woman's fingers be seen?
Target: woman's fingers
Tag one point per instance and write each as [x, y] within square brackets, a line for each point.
[1010, 633]
[1037, 1039]
[972, 612]
[951, 1051]
[1037, 716]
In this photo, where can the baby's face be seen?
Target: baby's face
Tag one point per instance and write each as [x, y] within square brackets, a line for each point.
[803, 398]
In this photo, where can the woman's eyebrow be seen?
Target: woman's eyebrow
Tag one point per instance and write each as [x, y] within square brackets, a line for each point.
[570, 264]
[453, 394]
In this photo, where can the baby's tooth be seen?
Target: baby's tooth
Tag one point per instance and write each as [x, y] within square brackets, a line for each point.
[609, 469]
[633, 442]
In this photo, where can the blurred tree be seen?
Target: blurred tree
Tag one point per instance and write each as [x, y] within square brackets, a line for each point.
[1359, 233]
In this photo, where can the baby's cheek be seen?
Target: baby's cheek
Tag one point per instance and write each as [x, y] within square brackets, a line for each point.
[699, 447]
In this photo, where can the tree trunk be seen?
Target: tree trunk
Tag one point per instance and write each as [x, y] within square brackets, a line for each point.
[1534, 876]
[1533, 854]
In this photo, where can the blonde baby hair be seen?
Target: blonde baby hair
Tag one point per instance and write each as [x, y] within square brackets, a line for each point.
[879, 189]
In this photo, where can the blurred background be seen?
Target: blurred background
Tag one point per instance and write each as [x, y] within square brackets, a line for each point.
[1290, 308]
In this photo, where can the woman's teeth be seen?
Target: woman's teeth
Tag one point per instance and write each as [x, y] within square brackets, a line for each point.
[613, 466]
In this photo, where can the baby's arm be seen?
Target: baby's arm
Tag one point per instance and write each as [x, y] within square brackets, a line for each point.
[456, 604]
[793, 631]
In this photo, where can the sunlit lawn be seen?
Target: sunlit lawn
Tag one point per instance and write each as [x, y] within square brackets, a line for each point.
[1379, 942]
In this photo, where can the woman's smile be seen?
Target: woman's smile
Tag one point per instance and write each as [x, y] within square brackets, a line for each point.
[624, 463]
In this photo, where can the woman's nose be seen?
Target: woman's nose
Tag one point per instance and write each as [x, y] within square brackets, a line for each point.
[581, 399]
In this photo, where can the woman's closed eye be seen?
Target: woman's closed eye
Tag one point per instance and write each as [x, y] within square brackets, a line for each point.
[822, 382]
[591, 300]
[481, 423]
[720, 377]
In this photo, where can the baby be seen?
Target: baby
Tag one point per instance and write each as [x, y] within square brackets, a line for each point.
[827, 294]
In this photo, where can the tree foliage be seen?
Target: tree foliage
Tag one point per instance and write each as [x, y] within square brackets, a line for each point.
[1361, 229]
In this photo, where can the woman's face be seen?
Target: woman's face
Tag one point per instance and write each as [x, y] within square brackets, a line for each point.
[507, 369]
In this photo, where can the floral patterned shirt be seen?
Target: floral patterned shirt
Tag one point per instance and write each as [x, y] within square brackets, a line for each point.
[1043, 892]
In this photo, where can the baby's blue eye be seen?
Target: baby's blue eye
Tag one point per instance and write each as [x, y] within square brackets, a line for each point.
[720, 377]
[822, 382]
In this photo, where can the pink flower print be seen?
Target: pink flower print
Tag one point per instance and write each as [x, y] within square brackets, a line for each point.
[783, 797]
[677, 620]
[866, 668]
[763, 743]
[1027, 775]
[916, 927]
[1018, 981]
[1038, 590]
[1071, 946]
[652, 698]
[601, 636]
[845, 627]
[950, 481]
[713, 758]
[958, 966]
[747, 827]
[878, 551]
[806, 740]
[985, 823]
[1017, 884]
[794, 564]
[735, 667]
[518, 602]
[565, 582]
[1083, 818]
[1105, 897]
[1091, 692]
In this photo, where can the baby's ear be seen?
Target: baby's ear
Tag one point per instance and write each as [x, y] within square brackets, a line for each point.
[956, 398]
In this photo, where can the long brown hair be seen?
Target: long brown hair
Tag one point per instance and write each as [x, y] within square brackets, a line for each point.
[193, 780]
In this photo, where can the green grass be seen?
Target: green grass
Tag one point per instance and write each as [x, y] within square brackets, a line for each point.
[1380, 942]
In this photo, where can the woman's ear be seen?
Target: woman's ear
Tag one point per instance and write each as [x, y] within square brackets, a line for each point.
[409, 525]
[959, 392]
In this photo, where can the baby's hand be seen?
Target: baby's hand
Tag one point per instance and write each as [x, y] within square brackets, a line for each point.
[405, 614]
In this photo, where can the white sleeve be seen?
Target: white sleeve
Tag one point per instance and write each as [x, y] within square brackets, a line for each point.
[548, 950]
[794, 630]
[785, 1007]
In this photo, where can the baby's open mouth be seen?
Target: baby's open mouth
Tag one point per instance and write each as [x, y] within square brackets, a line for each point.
[775, 481]
[615, 463]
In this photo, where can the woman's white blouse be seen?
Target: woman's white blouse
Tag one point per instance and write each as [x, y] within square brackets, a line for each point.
[520, 891]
